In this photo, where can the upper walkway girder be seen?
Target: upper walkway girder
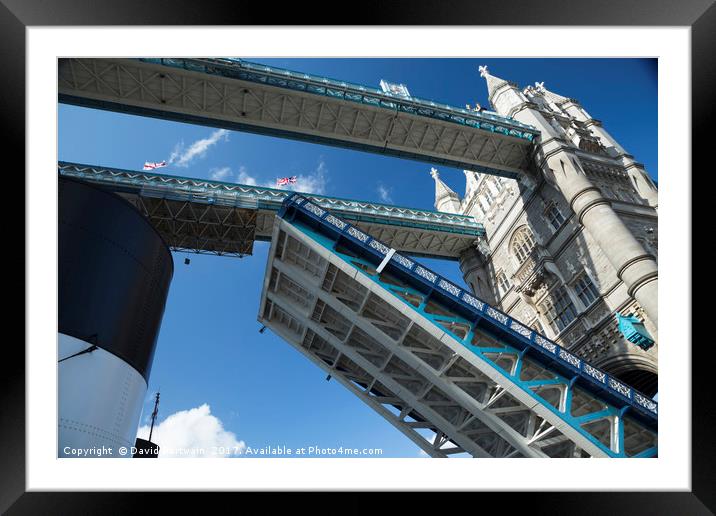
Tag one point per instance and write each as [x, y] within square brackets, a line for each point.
[239, 95]
[217, 217]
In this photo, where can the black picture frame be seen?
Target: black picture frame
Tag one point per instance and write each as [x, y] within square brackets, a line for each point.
[700, 15]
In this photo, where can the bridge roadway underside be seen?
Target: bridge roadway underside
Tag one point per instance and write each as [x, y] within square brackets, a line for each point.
[212, 217]
[229, 231]
[214, 94]
[403, 359]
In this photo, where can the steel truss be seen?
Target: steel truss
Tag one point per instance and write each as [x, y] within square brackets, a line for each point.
[447, 383]
[245, 97]
[201, 228]
[225, 219]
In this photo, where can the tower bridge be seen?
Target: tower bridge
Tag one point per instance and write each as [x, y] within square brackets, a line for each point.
[243, 96]
[550, 376]
[214, 217]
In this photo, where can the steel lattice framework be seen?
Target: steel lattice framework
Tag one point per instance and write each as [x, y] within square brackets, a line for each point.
[215, 217]
[239, 95]
[452, 373]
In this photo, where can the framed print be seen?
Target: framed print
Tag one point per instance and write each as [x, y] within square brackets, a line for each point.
[287, 254]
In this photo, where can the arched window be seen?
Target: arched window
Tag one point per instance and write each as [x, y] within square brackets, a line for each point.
[522, 243]
[586, 290]
[503, 284]
[555, 217]
[558, 309]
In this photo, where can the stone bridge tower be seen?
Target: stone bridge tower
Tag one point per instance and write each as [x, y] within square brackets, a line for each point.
[572, 246]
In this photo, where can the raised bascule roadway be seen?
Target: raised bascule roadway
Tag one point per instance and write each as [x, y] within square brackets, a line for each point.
[342, 286]
[428, 355]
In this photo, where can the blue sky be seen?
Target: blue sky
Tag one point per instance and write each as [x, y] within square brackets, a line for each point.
[220, 379]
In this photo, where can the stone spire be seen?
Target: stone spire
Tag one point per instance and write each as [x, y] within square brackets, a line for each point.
[493, 83]
[561, 103]
[554, 97]
[445, 199]
[502, 94]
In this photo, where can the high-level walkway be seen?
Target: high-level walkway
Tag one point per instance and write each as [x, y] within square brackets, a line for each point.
[452, 373]
[215, 217]
[239, 95]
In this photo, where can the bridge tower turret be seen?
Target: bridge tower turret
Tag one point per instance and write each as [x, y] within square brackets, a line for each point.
[573, 242]
[565, 145]
[445, 198]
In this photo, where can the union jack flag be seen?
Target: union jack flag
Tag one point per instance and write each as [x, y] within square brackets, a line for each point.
[280, 181]
[151, 166]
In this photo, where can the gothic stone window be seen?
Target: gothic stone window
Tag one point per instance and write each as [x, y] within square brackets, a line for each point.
[585, 289]
[522, 243]
[554, 216]
[503, 284]
[558, 309]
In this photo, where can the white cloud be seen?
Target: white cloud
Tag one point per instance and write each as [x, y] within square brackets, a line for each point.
[384, 193]
[225, 174]
[185, 433]
[245, 178]
[220, 174]
[182, 157]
